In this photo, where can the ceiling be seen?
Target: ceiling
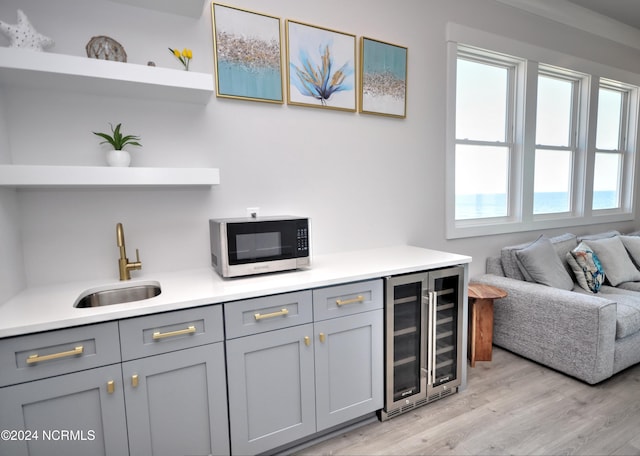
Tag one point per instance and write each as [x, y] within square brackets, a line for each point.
[625, 11]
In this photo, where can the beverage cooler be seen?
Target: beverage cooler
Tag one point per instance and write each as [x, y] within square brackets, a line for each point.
[423, 338]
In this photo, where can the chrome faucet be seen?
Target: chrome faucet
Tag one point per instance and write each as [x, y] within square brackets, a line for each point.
[123, 263]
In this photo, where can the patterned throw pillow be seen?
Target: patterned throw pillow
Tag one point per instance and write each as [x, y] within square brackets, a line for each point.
[586, 267]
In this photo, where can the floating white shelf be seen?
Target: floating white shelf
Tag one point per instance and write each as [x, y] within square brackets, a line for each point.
[36, 176]
[191, 8]
[44, 70]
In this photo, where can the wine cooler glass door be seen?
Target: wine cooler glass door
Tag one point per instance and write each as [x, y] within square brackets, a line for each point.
[406, 341]
[446, 294]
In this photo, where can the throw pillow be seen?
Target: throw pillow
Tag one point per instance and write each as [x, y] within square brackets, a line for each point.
[562, 244]
[586, 267]
[615, 260]
[632, 244]
[541, 262]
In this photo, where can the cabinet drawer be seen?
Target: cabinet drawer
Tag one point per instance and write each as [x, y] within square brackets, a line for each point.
[253, 316]
[347, 299]
[161, 333]
[36, 356]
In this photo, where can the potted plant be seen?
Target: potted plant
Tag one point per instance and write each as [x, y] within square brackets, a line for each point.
[118, 156]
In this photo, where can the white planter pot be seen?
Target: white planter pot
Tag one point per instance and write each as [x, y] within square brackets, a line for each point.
[118, 158]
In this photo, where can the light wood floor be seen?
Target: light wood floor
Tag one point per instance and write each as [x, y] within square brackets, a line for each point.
[511, 406]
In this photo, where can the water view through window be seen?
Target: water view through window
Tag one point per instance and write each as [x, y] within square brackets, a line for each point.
[534, 145]
[492, 204]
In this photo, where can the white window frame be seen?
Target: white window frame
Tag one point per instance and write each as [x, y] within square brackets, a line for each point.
[626, 144]
[513, 67]
[521, 216]
[576, 138]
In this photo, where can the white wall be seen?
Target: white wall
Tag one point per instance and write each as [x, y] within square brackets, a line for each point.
[366, 181]
[12, 272]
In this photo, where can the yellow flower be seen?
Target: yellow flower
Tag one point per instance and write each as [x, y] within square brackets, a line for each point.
[183, 57]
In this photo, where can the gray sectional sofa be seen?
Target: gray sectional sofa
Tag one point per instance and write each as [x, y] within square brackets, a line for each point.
[573, 302]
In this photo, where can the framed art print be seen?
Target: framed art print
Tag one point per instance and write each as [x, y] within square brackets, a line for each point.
[320, 67]
[383, 78]
[247, 54]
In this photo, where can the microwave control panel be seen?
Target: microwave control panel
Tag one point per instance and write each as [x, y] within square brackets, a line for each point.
[302, 236]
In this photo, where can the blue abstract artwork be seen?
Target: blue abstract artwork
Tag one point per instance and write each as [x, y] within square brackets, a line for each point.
[321, 67]
[384, 78]
[248, 55]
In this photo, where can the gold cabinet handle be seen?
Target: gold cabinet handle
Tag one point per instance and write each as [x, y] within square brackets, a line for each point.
[37, 358]
[322, 337]
[307, 341]
[181, 332]
[134, 380]
[111, 386]
[340, 302]
[279, 313]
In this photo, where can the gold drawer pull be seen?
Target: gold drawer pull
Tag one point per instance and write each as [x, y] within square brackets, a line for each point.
[279, 313]
[322, 337]
[111, 386]
[134, 380]
[307, 340]
[340, 302]
[37, 358]
[181, 332]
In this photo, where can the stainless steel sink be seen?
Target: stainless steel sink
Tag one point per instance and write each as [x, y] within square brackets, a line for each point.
[118, 295]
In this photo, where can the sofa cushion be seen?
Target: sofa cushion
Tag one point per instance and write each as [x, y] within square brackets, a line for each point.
[494, 266]
[632, 244]
[586, 268]
[541, 263]
[615, 260]
[562, 244]
[605, 235]
[627, 307]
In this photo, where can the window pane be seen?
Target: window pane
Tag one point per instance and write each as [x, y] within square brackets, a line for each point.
[552, 182]
[553, 120]
[609, 119]
[482, 179]
[481, 101]
[606, 181]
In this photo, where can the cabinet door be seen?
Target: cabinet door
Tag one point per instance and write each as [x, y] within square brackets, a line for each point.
[69, 415]
[271, 389]
[349, 367]
[177, 404]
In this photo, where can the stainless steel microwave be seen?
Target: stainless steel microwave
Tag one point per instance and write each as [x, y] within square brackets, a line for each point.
[247, 246]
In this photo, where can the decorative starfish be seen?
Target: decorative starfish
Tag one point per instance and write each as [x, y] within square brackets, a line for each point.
[23, 35]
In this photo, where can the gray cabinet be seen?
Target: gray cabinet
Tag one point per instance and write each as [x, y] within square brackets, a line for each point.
[55, 397]
[317, 363]
[270, 371]
[65, 390]
[69, 415]
[349, 357]
[176, 401]
[271, 389]
[349, 367]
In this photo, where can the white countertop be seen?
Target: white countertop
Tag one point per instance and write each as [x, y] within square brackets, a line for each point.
[51, 307]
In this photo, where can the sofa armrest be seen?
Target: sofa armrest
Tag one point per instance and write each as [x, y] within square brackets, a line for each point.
[568, 331]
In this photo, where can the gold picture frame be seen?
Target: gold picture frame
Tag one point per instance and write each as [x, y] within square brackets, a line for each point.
[321, 67]
[247, 54]
[383, 78]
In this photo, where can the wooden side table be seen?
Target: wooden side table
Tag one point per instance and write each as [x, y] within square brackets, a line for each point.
[481, 320]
